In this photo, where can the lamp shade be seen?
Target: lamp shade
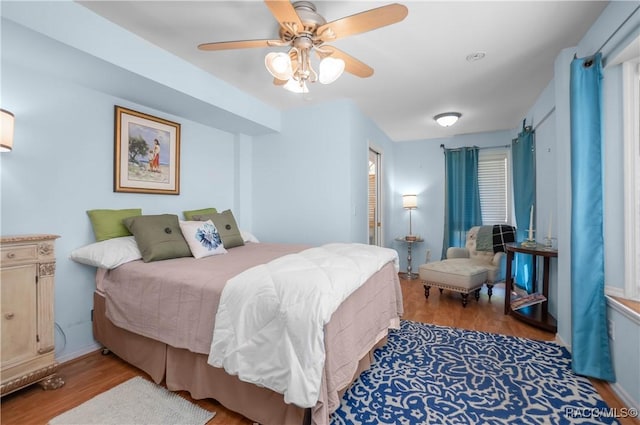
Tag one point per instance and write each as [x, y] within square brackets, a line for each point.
[447, 119]
[6, 127]
[330, 70]
[296, 86]
[409, 201]
[279, 65]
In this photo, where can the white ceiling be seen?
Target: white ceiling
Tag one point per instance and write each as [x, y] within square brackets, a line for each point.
[420, 66]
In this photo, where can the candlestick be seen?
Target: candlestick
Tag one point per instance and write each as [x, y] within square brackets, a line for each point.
[531, 224]
[549, 229]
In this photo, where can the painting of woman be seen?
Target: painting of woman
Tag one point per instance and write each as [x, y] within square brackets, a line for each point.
[154, 163]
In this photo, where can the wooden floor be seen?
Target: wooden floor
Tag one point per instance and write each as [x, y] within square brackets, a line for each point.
[95, 373]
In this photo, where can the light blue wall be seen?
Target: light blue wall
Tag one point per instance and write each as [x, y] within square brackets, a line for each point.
[310, 180]
[62, 162]
[299, 177]
[62, 165]
[419, 168]
[366, 134]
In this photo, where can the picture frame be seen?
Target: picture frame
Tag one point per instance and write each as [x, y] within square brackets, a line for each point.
[147, 153]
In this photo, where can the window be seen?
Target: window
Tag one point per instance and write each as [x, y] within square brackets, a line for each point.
[631, 99]
[493, 180]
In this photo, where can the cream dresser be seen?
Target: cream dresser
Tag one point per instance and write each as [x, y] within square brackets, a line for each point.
[27, 266]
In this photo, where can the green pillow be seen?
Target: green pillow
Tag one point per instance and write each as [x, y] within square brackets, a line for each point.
[158, 236]
[107, 224]
[227, 227]
[188, 215]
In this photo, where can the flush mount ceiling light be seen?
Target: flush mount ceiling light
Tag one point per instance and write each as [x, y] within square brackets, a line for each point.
[304, 31]
[447, 119]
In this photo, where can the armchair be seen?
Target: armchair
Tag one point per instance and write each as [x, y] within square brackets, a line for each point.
[466, 270]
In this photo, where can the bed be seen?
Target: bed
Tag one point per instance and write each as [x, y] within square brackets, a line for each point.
[160, 317]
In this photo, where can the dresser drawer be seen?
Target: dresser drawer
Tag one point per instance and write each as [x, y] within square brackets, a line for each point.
[18, 254]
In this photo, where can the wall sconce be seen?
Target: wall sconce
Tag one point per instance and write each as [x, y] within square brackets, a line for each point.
[410, 202]
[6, 127]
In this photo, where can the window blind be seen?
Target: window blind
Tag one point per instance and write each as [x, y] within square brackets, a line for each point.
[493, 184]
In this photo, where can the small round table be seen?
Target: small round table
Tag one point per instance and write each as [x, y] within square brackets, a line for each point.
[408, 274]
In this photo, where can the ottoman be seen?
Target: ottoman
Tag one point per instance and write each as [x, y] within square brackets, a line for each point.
[457, 275]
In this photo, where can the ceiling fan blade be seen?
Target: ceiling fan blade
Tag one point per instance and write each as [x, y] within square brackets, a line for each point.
[285, 14]
[362, 22]
[351, 64]
[239, 44]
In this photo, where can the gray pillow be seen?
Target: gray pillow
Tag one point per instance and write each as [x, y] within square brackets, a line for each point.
[158, 236]
[188, 215]
[227, 227]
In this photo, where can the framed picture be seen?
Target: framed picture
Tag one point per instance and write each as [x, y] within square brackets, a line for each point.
[147, 153]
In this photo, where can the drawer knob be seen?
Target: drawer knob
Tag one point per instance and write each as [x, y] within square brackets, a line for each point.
[9, 316]
[11, 255]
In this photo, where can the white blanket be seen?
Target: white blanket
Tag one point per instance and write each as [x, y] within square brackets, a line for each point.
[269, 328]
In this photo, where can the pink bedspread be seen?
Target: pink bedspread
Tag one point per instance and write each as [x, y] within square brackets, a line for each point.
[175, 301]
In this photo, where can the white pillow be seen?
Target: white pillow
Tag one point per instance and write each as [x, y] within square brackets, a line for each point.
[108, 254]
[248, 237]
[202, 237]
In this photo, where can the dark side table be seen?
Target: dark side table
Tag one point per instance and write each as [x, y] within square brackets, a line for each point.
[536, 315]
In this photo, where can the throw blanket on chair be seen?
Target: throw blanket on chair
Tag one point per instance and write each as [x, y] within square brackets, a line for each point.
[502, 234]
[484, 239]
[493, 238]
[269, 328]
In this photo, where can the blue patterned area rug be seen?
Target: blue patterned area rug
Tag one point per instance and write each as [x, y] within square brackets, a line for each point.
[429, 374]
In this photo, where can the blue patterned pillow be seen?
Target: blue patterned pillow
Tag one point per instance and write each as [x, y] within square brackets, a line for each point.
[202, 237]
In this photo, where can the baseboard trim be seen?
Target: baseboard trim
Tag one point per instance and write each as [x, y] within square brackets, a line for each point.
[79, 353]
[562, 342]
[624, 397]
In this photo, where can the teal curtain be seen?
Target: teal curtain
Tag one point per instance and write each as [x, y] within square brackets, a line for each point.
[591, 354]
[462, 196]
[524, 196]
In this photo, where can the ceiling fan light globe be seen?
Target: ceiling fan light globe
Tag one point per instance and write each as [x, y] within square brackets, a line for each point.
[279, 65]
[295, 86]
[447, 119]
[330, 70]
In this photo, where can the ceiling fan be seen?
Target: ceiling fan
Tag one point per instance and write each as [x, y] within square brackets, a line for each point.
[304, 30]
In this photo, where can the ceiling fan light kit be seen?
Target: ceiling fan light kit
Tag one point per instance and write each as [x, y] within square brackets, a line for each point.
[330, 70]
[304, 30]
[279, 65]
[296, 86]
[447, 119]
